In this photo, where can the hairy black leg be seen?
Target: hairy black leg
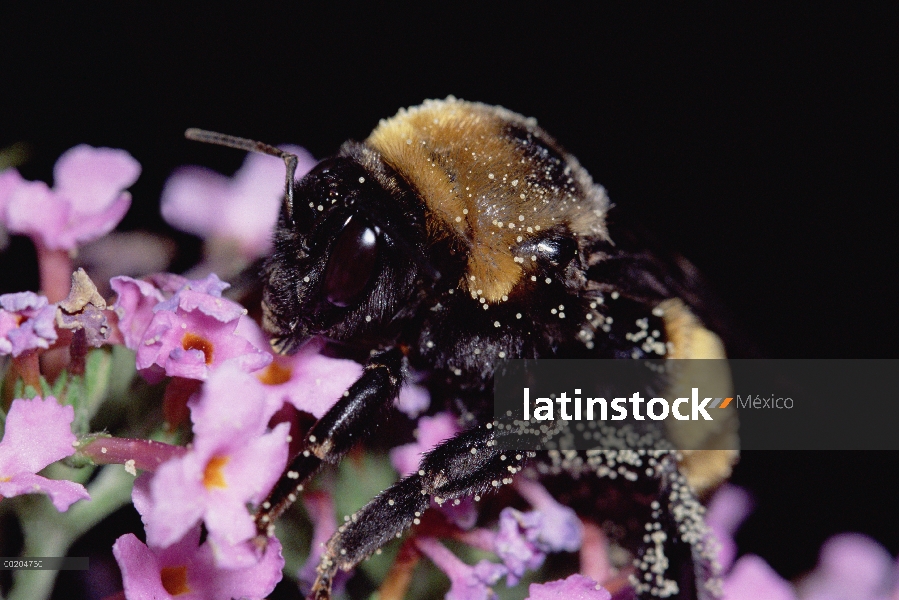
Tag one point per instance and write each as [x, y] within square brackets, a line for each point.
[676, 558]
[655, 511]
[469, 464]
[352, 418]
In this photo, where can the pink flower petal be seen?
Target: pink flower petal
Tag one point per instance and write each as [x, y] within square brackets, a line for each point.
[413, 400]
[171, 283]
[320, 382]
[33, 210]
[257, 468]
[576, 587]
[229, 522]
[232, 462]
[851, 566]
[190, 570]
[92, 178]
[9, 181]
[728, 509]
[431, 431]
[189, 196]
[257, 195]
[228, 407]
[27, 322]
[194, 343]
[253, 582]
[140, 569]
[221, 309]
[63, 493]
[177, 492]
[86, 203]
[38, 432]
[560, 529]
[752, 578]
[243, 208]
[134, 307]
[86, 228]
[310, 381]
[140, 494]
[516, 542]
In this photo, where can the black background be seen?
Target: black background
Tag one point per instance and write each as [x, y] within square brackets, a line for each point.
[761, 142]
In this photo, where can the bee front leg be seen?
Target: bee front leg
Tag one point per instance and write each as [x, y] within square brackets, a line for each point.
[332, 436]
[466, 465]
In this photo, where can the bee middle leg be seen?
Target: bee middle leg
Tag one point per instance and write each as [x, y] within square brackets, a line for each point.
[332, 436]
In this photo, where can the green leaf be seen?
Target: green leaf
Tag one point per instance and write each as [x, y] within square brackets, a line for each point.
[97, 373]
[359, 479]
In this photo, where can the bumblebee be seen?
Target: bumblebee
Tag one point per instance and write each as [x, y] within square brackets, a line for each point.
[459, 234]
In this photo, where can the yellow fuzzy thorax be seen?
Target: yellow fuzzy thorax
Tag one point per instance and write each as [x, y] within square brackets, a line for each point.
[481, 186]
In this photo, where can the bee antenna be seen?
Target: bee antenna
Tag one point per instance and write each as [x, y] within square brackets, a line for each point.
[222, 139]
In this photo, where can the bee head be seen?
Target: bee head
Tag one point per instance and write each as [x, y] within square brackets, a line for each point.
[341, 266]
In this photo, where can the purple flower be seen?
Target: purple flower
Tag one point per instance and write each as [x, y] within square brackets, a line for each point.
[320, 507]
[728, 509]
[170, 283]
[313, 383]
[752, 578]
[86, 202]
[233, 461]
[517, 544]
[192, 334]
[38, 432]
[413, 400]
[851, 566]
[560, 530]
[134, 307]
[9, 181]
[243, 208]
[26, 323]
[138, 299]
[466, 582]
[576, 587]
[187, 570]
[431, 431]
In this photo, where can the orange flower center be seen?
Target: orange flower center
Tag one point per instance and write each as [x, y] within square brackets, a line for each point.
[275, 374]
[214, 474]
[192, 341]
[174, 580]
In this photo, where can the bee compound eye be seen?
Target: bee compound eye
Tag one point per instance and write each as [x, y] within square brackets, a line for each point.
[352, 262]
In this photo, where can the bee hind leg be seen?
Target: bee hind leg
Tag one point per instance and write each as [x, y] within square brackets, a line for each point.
[469, 464]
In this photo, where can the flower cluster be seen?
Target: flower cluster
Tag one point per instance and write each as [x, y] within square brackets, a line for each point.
[183, 328]
[26, 323]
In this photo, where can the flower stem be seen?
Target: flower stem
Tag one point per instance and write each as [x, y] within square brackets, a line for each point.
[29, 368]
[440, 555]
[594, 554]
[56, 272]
[397, 581]
[481, 539]
[146, 455]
